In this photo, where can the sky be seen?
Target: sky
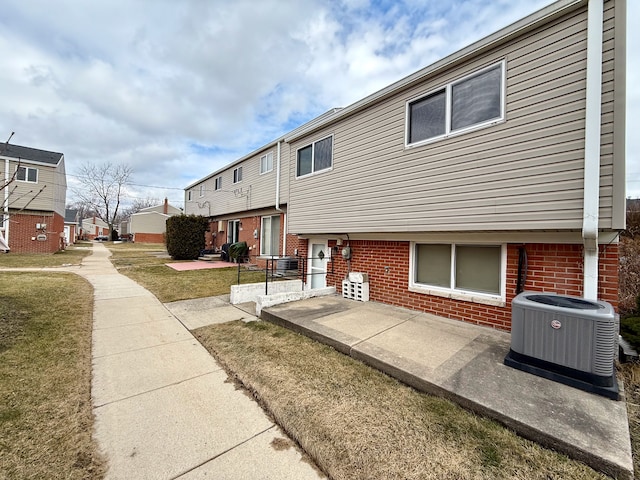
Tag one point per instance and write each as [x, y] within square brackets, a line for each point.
[178, 89]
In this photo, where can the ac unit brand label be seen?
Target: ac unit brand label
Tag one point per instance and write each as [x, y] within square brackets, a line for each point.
[555, 324]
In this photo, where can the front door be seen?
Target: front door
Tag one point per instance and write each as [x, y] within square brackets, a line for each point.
[319, 256]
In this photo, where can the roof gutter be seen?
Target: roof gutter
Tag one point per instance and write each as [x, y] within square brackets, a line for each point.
[591, 189]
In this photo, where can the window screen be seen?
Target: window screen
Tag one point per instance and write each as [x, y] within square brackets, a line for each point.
[477, 99]
[478, 268]
[433, 265]
[322, 154]
[427, 117]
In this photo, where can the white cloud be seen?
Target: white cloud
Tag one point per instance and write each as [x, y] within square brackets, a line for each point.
[178, 89]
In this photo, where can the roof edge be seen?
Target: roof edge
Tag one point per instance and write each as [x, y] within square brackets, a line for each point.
[524, 24]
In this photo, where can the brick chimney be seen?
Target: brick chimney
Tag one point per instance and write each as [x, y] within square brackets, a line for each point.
[166, 206]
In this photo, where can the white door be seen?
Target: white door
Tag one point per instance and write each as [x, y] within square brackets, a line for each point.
[67, 234]
[319, 256]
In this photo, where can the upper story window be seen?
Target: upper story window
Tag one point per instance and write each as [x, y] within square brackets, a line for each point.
[27, 174]
[266, 163]
[189, 195]
[315, 157]
[237, 175]
[471, 102]
[202, 190]
[218, 184]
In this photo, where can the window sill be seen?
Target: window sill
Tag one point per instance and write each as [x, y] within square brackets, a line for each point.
[465, 297]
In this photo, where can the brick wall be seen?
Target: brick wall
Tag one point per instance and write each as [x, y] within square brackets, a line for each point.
[551, 267]
[149, 238]
[23, 233]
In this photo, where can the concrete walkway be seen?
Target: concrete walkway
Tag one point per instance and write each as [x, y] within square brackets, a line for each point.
[164, 408]
[464, 363]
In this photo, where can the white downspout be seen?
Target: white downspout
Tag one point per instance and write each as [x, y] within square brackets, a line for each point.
[5, 206]
[284, 233]
[592, 149]
[278, 178]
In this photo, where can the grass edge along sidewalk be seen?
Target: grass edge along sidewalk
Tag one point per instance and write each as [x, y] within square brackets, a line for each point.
[357, 423]
[46, 417]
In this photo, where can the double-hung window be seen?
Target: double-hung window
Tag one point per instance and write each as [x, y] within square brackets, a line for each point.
[474, 101]
[237, 175]
[189, 195]
[476, 270]
[270, 235]
[266, 163]
[218, 183]
[315, 157]
[202, 190]
[27, 174]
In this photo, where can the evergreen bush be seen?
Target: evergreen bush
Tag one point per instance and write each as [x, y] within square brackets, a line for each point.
[185, 236]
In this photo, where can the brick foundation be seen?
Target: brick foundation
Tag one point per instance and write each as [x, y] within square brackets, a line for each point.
[23, 234]
[149, 238]
[551, 267]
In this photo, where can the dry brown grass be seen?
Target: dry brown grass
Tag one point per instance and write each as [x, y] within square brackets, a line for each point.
[358, 423]
[73, 255]
[46, 420]
[145, 264]
[631, 375]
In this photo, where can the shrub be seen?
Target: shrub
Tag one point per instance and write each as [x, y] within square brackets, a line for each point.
[185, 236]
[630, 330]
[629, 276]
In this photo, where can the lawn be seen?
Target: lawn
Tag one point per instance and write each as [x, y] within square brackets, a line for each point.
[358, 423]
[73, 255]
[46, 419]
[145, 263]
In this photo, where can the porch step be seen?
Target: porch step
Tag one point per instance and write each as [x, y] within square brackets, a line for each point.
[210, 257]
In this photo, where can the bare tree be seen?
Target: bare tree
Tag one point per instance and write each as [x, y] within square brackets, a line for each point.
[102, 189]
[138, 204]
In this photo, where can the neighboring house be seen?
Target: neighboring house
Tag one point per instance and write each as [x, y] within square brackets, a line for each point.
[33, 201]
[496, 169]
[246, 201]
[92, 227]
[149, 225]
[71, 225]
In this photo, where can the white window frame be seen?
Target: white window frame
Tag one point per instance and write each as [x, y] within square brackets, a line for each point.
[202, 190]
[189, 195]
[218, 183]
[237, 175]
[456, 293]
[266, 163]
[262, 229]
[26, 174]
[231, 230]
[448, 100]
[313, 150]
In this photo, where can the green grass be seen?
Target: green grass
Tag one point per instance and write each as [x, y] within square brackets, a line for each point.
[46, 420]
[73, 255]
[357, 423]
[145, 264]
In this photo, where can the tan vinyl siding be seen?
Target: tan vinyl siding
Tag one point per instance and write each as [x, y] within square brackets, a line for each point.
[525, 173]
[151, 222]
[28, 196]
[255, 191]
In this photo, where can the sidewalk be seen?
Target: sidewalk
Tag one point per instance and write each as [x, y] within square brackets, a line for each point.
[164, 408]
[464, 363]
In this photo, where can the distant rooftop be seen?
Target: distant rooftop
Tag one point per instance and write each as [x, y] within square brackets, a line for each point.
[29, 154]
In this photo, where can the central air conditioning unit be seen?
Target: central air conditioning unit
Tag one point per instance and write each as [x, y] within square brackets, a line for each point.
[567, 339]
[286, 263]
